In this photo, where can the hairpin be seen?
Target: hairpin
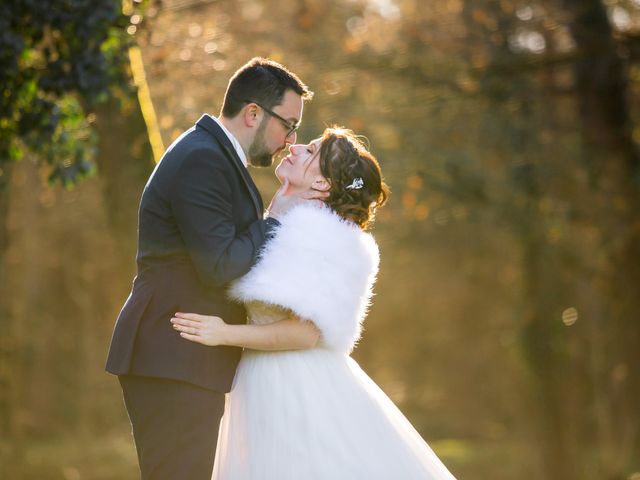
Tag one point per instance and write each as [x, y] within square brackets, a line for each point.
[357, 184]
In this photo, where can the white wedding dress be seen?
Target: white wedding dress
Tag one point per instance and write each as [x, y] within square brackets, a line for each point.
[314, 414]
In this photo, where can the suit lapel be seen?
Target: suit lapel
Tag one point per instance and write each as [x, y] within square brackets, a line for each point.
[210, 125]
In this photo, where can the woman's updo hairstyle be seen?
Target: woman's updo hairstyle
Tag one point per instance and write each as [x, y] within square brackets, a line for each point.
[343, 161]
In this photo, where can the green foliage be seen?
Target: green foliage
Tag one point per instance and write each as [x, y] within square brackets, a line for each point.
[58, 59]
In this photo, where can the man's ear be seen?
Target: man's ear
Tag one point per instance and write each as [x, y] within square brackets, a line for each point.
[321, 184]
[251, 115]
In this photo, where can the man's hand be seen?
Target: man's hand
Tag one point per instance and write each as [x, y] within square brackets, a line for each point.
[204, 329]
[282, 202]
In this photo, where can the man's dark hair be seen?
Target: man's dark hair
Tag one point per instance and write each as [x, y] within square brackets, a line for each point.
[262, 81]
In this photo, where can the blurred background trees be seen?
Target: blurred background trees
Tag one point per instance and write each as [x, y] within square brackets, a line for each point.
[506, 323]
[66, 93]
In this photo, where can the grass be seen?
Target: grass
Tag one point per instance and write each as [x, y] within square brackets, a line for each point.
[75, 457]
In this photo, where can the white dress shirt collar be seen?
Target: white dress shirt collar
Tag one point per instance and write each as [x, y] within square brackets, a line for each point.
[234, 141]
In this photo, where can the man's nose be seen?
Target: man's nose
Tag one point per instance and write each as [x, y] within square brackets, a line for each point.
[291, 139]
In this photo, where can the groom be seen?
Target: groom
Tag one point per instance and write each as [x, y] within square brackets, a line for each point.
[201, 225]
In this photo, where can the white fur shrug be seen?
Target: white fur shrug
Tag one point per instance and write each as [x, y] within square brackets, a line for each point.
[319, 266]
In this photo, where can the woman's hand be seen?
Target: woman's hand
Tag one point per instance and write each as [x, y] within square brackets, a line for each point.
[204, 329]
[282, 201]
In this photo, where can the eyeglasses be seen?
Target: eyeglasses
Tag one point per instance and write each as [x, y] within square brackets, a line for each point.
[291, 127]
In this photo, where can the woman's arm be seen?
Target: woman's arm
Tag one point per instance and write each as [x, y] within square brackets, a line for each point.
[290, 333]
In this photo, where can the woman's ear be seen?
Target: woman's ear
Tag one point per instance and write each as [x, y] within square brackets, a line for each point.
[321, 184]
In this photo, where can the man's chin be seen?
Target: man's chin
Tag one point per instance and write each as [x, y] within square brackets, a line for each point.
[261, 161]
[267, 159]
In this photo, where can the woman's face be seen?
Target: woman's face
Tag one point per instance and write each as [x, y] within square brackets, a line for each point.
[302, 168]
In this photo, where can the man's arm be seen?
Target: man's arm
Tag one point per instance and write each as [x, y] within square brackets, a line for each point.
[201, 200]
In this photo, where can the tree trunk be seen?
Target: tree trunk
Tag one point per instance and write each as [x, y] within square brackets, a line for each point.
[125, 161]
[66, 273]
[10, 427]
[601, 79]
[542, 337]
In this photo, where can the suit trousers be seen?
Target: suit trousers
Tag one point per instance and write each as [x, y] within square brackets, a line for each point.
[175, 426]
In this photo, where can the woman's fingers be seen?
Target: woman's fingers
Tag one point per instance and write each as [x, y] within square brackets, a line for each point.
[190, 316]
[203, 329]
[186, 326]
[184, 322]
[314, 195]
[185, 329]
[193, 338]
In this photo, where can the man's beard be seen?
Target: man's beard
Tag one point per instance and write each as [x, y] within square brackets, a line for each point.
[259, 154]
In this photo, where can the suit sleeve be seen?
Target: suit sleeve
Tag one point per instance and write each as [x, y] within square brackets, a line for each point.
[201, 200]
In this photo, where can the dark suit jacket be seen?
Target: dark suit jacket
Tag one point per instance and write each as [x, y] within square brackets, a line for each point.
[200, 226]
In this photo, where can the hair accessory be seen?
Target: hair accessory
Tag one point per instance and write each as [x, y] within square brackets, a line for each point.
[357, 184]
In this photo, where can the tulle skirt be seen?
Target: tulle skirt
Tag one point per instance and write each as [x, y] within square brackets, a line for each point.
[314, 414]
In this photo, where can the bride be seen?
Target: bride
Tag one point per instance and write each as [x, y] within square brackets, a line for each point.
[300, 406]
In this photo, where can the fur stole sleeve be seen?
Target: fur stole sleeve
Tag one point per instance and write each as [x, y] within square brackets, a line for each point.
[319, 266]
